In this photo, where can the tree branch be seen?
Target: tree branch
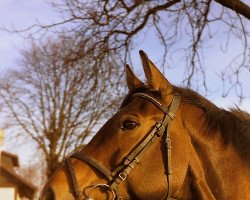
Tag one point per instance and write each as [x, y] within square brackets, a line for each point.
[237, 6]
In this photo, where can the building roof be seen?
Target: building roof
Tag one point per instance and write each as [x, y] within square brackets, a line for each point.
[12, 156]
[25, 188]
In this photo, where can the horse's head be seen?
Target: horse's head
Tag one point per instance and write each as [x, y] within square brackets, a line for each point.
[130, 156]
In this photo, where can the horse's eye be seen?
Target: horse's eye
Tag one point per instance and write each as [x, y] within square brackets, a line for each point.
[129, 125]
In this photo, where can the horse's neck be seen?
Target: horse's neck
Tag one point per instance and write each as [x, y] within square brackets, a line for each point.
[216, 170]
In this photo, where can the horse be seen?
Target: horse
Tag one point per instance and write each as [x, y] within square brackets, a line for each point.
[165, 142]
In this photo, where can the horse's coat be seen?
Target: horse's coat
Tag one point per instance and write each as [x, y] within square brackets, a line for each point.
[210, 148]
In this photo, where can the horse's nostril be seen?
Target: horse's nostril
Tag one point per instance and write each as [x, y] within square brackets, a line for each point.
[48, 194]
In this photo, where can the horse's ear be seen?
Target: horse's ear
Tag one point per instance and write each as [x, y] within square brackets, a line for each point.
[155, 78]
[132, 81]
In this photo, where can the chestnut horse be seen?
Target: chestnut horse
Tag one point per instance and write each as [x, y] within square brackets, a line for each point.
[165, 142]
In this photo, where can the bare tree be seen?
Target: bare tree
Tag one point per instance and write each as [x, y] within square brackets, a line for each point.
[56, 100]
[114, 26]
[32, 173]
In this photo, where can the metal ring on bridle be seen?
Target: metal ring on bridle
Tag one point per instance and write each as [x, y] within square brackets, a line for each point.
[100, 186]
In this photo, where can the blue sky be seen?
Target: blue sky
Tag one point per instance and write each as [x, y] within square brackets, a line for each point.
[19, 14]
[24, 13]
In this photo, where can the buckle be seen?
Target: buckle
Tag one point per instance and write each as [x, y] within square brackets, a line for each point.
[123, 175]
[168, 143]
[160, 129]
[158, 124]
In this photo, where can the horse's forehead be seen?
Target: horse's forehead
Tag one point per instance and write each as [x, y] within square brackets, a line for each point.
[142, 106]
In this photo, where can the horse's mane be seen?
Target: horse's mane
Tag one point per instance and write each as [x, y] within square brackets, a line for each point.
[234, 124]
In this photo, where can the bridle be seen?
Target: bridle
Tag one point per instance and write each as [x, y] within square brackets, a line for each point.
[122, 171]
[160, 129]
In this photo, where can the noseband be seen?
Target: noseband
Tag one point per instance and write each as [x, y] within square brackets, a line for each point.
[160, 129]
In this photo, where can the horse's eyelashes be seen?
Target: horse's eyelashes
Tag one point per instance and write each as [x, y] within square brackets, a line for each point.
[129, 124]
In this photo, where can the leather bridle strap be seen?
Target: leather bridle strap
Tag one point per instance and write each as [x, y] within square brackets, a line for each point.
[133, 158]
[77, 191]
[93, 163]
[160, 128]
[122, 171]
[168, 143]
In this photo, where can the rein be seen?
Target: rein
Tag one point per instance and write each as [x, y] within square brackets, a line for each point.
[121, 173]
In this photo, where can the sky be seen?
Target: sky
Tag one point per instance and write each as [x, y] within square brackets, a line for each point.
[21, 14]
